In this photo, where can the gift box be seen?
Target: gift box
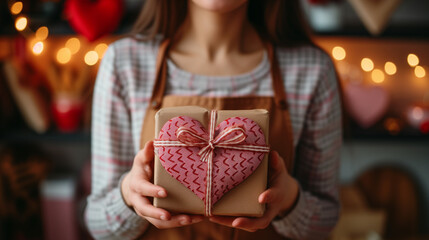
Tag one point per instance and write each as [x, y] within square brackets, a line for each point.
[211, 162]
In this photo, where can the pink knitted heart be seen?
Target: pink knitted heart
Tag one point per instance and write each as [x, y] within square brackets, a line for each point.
[366, 104]
[230, 167]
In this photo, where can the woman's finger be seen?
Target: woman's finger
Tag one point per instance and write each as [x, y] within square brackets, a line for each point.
[143, 161]
[226, 221]
[144, 208]
[230, 222]
[148, 189]
[145, 156]
[268, 196]
[276, 161]
[176, 221]
[255, 223]
[276, 166]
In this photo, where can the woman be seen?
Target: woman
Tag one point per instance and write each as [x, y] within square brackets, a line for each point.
[215, 53]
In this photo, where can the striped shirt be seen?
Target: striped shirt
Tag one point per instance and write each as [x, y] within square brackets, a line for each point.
[123, 89]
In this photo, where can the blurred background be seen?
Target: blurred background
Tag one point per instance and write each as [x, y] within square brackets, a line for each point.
[49, 55]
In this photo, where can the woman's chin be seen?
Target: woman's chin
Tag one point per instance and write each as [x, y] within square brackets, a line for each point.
[221, 6]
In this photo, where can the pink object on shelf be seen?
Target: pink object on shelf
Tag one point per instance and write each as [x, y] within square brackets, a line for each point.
[59, 209]
[366, 104]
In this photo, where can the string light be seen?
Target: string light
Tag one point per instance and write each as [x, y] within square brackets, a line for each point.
[101, 49]
[21, 23]
[42, 33]
[420, 72]
[390, 68]
[73, 44]
[38, 48]
[16, 8]
[35, 41]
[413, 60]
[339, 53]
[377, 76]
[91, 58]
[367, 64]
[64, 55]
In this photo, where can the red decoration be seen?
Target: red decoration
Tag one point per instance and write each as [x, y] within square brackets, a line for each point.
[67, 114]
[424, 127]
[94, 18]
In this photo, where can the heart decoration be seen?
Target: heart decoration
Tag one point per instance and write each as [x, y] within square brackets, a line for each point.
[230, 167]
[366, 104]
[94, 18]
[375, 13]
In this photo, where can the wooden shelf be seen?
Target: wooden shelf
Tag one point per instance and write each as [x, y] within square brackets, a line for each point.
[52, 136]
[399, 32]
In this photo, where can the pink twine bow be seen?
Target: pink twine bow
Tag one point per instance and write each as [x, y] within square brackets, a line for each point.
[189, 137]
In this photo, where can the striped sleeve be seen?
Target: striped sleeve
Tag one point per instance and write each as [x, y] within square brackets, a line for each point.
[106, 214]
[317, 163]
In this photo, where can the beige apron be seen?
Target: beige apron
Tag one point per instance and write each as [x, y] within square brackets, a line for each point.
[281, 140]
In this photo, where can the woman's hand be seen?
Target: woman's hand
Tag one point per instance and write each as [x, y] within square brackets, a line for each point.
[280, 198]
[137, 188]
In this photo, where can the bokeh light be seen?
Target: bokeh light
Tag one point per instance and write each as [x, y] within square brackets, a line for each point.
[73, 44]
[377, 76]
[38, 48]
[42, 33]
[64, 55]
[91, 58]
[16, 8]
[339, 53]
[420, 72]
[21, 23]
[413, 60]
[101, 49]
[390, 68]
[367, 64]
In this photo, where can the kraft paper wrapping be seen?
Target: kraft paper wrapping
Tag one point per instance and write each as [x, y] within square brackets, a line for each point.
[241, 200]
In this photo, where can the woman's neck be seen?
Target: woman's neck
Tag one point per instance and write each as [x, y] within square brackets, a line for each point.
[213, 35]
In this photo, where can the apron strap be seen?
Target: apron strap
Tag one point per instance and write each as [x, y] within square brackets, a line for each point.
[277, 81]
[161, 77]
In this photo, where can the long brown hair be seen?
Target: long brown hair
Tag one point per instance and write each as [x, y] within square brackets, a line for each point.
[278, 21]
